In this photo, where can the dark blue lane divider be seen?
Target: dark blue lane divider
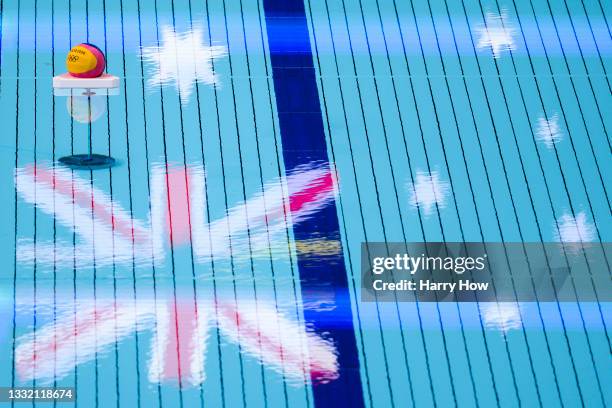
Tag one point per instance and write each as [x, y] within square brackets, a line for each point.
[303, 140]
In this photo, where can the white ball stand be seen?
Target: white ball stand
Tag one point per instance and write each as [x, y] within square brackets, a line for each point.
[67, 85]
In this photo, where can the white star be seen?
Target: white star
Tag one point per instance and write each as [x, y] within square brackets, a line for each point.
[427, 191]
[182, 60]
[548, 131]
[578, 229]
[496, 34]
[502, 316]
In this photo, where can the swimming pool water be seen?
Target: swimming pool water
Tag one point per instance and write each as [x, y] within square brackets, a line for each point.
[258, 145]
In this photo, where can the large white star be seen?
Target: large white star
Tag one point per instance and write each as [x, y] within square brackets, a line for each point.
[548, 131]
[497, 34]
[182, 60]
[427, 191]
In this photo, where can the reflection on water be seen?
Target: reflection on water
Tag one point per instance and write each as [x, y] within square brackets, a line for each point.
[178, 330]
[107, 232]
[497, 34]
[428, 192]
[574, 229]
[182, 60]
[502, 316]
[548, 131]
[86, 108]
[72, 331]
[100, 225]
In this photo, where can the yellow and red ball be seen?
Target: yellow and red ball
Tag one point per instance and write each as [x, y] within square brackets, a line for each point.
[85, 61]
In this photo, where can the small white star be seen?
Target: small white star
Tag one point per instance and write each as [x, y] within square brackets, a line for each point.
[502, 316]
[578, 229]
[182, 60]
[548, 131]
[427, 191]
[496, 34]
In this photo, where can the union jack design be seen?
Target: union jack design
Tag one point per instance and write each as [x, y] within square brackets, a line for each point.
[180, 328]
